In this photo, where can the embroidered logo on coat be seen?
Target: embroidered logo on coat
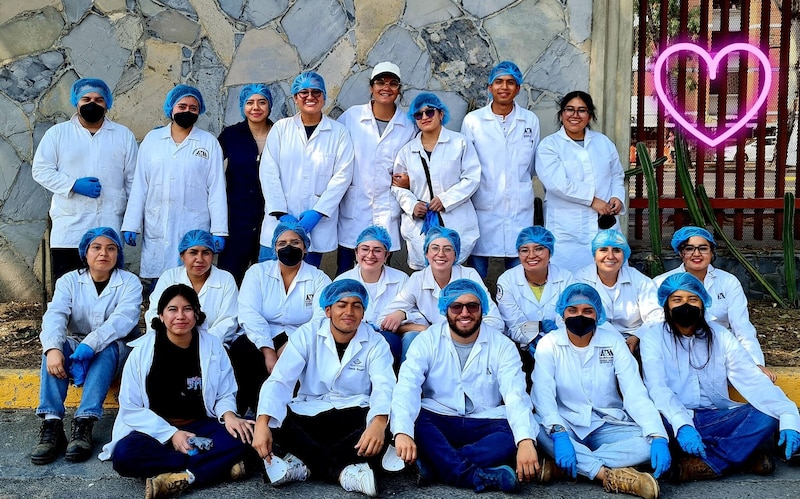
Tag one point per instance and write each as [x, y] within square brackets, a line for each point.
[720, 296]
[606, 356]
[499, 294]
[201, 152]
[356, 365]
[309, 299]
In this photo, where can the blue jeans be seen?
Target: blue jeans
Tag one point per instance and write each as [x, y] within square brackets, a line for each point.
[405, 341]
[481, 264]
[53, 391]
[395, 346]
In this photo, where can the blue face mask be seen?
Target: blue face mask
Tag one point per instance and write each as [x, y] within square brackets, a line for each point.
[580, 325]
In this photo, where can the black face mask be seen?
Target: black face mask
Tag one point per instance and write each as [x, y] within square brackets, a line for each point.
[290, 255]
[580, 325]
[606, 221]
[686, 315]
[92, 112]
[185, 119]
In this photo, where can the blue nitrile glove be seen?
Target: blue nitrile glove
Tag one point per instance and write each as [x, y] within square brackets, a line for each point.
[431, 220]
[219, 243]
[690, 441]
[287, 218]
[129, 237]
[565, 453]
[532, 346]
[660, 458]
[83, 353]
[792, 440]
[87, 186]
[78, 372]
[309, 219]
[548, 325]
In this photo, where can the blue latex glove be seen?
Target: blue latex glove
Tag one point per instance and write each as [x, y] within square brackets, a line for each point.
[431, 220]
[83, 353]
[78, 372]
[309, 219]
[690, 441]
[219, 243]
[129, 237]
[532, 346]
[87, 186]
[792, 440]
[287, 218]
[548, 325]
[565, 453]
[660, 458]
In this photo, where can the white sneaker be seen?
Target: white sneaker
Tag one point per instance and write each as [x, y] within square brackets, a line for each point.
[391, 461]
[358, 478]
[288, 469]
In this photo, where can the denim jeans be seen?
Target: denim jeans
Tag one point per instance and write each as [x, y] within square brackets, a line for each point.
[405, 341]
[481, 264]
[53, 391]
[395, 342]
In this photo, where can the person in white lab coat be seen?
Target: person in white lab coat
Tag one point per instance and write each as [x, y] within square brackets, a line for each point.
[505, 137]
[583, 179]
[591, 403]
[305, 170]
[689, 364]
[179, 183]
[697, 248]
[379, 129]
[93, 311]
[88, 164]
[443, 173]
[335, 424]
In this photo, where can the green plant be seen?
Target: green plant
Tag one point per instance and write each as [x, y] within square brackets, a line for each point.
[654, 219]
[788, 248]
[682, 162]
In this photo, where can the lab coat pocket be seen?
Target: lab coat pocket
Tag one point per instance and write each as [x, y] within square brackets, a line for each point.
[490, 389]
[323, 171]
[347, 208]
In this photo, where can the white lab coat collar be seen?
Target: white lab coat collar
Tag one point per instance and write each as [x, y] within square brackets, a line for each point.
[114, 281]
[107, 123]
[562, 133]
[323, 126]
[429, 282]
[445, 136]
[554, 276]
[367, 116]
[602, 338]
[304, 274]
[353, 347]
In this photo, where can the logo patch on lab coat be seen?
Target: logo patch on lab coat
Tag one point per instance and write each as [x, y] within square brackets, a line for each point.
[527, 133]
[606, 356]
[499, 294]
[356, 365]
[720, 296]
[201, 152]
[309, 299]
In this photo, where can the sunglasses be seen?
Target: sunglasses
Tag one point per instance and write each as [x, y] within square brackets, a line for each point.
[472, 307]
[428, 112]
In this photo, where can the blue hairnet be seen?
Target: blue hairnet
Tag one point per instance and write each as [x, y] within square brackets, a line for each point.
[375, 233]
[86, 85]
[93, 234]
[686, 282]
[581, 294]
[430, 100]
[536, 235]
[196, 237]
[178, 93]
[613, 238]
[684, 233]
[506, 68]
[252, 89]
[436, 232]
[460, 287]
[294, 227]
[309, 80]
[343, 288]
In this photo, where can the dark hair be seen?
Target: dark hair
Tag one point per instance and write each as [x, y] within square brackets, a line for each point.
[586, 98]
[702, 332]
[167, 296]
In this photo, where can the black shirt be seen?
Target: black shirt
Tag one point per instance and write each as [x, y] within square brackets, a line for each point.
[174, 383]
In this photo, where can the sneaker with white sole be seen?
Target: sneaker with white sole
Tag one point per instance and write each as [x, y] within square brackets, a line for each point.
[358, 478]
[391, 461]
[288, 469]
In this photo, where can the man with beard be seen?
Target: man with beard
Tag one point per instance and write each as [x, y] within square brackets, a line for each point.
[460, 403]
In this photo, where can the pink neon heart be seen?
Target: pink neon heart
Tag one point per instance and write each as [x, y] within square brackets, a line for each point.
[713, 63]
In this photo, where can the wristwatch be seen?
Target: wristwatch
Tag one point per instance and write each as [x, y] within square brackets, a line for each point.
[557, 428]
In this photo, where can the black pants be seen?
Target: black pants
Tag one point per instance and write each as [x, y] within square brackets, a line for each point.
[241, 250]
[63, 260]
[249, 370]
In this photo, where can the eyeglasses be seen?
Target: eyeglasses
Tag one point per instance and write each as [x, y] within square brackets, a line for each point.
[435, 248]
[472, 307]
[315, 93]
[580, 111]
[536, 250]
[703, 249]
[377, 252]
[393, 84]
[428, 112]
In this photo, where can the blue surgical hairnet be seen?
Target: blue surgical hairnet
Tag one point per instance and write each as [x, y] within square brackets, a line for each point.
[375, 233]
[684, 233]
[252, 89]
[178, 93]
[196, 237]
[581, 294]
[436, 232]
[430, 100]
[686, 282]
[86, 85]
[294, 227]
[506, 68]
[536, 235]
[613, 238]
[93, 234]
[309, 80]
[343, 288]
[460, 287]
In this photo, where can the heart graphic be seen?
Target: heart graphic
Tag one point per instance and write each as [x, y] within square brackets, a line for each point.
[713, 63]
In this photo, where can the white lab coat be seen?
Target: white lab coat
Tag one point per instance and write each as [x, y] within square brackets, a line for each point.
[218, 300]
[176, 189]
[267, 309]
[504, 199]
[728, 307]
[362, 378]
[675, 385]
[573, 176]
[606, 388]
[431, 378]
[219, 391]
[455, 176]
[389, 286]
[299, 174]
[369, 200]
[68, 152]
[518, 304]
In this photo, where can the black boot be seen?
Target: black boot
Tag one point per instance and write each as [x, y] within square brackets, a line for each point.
[80, 443]
[52, 442]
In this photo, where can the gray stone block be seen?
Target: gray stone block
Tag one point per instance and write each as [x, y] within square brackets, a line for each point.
[181, 5]
[259, 13]
[209, 74]
[75, 9]
[26, 79]
[172, 26]
[9, 167]
[420, 13]
[27, 199]
[561, 69]
[355, 89]
[30, 34]
[234, 8]
[95, 51]
[482, 8]
[397, 45]
[313, 26]
[580, 20]
[15, 126]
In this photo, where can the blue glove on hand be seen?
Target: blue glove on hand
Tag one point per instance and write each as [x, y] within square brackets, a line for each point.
[565, 453]
[548, 325]
[309, 219]
[78, 372]
[431, 220]
[287, 218]
[87, 186]
[129, 237]
[792, 440]
[83, 353]
[660, 458]
[219, 243]
[690, 441]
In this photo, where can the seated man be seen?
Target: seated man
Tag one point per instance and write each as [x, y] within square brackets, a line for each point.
[460, 399]
[337, 421]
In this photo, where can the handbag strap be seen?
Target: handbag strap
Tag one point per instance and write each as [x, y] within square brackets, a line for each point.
[430, 185]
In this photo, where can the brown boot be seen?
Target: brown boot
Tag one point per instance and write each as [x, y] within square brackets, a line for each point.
[238, 471]
[759, 463]
[549, 471]
[688, 468]
[52, 442]
[630, 481]
[79, 448]
[166, 485]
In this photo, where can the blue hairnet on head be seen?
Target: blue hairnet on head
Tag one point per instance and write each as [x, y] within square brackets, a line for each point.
[86, 85]
[427, 99]
[375, 233]
[252, 89]
[436, 232]
[294, 227]
[684, 233]
[581, 294]
[613, 238]
[506, 68]
[536, 235]
[343, 288]
[196, 237]
[93, 234]
[686, 282]
[178, 93]
[460, 287]
[309, 80]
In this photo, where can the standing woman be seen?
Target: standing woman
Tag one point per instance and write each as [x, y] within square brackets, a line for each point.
[242, 145]
[444, 173]
[584, 180]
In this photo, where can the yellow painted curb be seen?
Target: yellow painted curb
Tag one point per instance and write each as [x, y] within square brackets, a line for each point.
[19, 389]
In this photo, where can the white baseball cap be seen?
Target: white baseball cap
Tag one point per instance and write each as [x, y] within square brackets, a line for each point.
[385, 67]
